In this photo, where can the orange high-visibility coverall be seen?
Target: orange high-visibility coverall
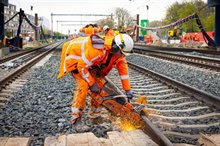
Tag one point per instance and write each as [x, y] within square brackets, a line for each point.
[81, 55]
[110, 32]
[89, 30]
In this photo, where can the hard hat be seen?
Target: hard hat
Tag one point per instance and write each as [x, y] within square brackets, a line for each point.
[105, 27]
[124, 42]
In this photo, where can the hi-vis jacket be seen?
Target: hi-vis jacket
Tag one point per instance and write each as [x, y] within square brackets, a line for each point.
[110, 32]
[85, 53]
[89, 30]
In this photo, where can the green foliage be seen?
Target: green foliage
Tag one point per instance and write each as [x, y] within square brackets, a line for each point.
[155, 23]
[106, 21]
[208, 23]
[46, 31]
[181, 10]
[171, 13]
[124, 19]
[58, 34]
[8, 34]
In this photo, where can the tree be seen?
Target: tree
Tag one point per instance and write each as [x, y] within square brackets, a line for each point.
[58, 34]
[181, 10]
[155, 23]
[171, 13]
[107, 21]
[206, 14]
[124, 19]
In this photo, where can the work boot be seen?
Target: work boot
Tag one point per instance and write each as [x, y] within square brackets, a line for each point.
[94, 112]
[75, 117]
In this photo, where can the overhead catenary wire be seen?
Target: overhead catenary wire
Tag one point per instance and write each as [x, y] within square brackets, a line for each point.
[11, 18]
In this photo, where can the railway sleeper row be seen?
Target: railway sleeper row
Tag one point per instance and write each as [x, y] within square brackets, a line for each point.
[181, 117]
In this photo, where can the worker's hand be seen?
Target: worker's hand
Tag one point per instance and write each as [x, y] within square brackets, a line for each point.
[94, 88]
[129, 94]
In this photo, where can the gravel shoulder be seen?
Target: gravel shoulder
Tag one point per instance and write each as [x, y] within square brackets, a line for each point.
[199, 78]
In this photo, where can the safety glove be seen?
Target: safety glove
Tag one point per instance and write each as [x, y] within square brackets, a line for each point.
[129, 94]
[94, 88]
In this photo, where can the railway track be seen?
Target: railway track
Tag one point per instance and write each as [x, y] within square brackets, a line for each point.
[11, 62]
[20, 53]
[199, 61]
[179, 115]
[175, 49]
[14, 76]
[175, 113]
[29, 106]
[12, 65]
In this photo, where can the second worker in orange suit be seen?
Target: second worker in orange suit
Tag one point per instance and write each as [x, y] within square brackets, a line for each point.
[108, 31]
[80, 56]
[90, 29]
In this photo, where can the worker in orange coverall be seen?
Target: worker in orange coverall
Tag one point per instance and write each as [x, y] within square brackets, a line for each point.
[82, 56]
[108, 31]
[90, 29]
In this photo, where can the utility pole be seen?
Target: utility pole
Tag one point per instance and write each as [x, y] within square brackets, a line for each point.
[216, 4]
[36, 23]
[147, 10]
[57, 26]
[217, 27]
[137, 36]
[1, 21]
[2, 28]
[2, 4]
[51, 24]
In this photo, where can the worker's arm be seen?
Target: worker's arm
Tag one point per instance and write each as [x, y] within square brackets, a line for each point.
[82, 29]
[122, 68]
[96, 30]
[111, 32]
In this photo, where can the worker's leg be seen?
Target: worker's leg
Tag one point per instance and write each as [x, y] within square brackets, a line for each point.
[95, 107]
[105, 90]
[79, 98]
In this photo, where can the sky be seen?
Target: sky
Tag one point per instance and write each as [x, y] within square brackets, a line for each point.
[156, 11]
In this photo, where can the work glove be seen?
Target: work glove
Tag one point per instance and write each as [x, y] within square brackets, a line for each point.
[94, 88]
[129, 94]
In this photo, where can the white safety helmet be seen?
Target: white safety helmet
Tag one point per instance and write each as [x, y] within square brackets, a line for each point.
[124, 42]
[105, 27]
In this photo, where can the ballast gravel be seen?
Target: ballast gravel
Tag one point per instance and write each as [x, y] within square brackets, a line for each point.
[43, 108]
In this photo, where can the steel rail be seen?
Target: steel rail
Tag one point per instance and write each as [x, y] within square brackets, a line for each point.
[10, 57]
[148, 47]
[199, 94]
[152, 131]
[206, 62]
[7, 79]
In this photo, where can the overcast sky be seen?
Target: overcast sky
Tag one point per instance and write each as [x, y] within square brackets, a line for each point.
[44, 8]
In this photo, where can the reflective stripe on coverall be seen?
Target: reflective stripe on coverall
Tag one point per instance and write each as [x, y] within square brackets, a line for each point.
[81, 55]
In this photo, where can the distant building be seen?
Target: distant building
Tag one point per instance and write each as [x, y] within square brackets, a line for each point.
[12, 26]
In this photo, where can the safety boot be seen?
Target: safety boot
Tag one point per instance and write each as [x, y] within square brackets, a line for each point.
[95, 112]
[75, 117]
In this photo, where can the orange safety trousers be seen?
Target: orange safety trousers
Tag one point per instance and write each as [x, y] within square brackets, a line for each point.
[81, 92]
